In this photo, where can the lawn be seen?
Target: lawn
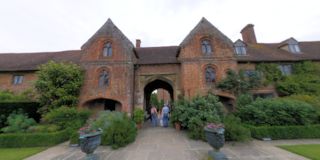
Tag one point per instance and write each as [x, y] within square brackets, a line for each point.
[308, 150]
[18, 153]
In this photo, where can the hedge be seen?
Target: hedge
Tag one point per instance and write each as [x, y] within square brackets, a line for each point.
[33, 139]
[285, 132]
[30, 108]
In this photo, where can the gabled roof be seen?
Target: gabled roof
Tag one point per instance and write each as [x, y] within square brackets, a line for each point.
[270, 52]
[31, 61]
[158, 55]
[109, 30]
[290, 40]
[204, 26]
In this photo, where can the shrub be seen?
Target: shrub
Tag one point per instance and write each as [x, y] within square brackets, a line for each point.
[18, 122]
[44, 128]
[30, 108]
[195, 114]
[138, 115]
[235, 131]
[118, 129]
[74, 137]
[66, 117]
[285, 132]
[243, 100]
[277, 112]
[33, 139]
[58, 84]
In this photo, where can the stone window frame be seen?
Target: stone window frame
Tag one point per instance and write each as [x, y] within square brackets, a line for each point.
[209, 43]
[205, 74]
[104, 47]
[98, 75]
[17, 79]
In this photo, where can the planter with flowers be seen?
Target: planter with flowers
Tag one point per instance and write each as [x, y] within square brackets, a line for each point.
[215, 137]
[90, 139]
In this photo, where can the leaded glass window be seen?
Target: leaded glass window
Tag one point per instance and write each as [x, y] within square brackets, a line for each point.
[206, 47]
[107, 50]
[210, 75]
[104, 78]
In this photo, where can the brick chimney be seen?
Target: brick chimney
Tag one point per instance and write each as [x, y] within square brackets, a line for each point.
[138, 43]
[248, 35]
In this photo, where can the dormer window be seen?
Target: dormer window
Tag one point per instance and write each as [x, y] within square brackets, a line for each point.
[294, 48]
[206, 47]
[107, 50]
[290, 45]
[240, 48]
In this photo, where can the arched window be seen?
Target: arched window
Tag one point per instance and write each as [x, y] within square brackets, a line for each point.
[103, 78]
[107, 50]
[210, 75]
[206, 47]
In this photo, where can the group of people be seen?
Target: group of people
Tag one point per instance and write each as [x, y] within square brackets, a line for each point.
[164, 116]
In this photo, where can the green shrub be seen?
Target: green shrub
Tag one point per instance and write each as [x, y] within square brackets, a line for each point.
[138, 115]
[118, 129]
[243, 100]
[195, 114]
[44, 128]
[66, 117]
[30, 108]
[285, 132]
[235, 131]
[74, 137]
[277, 112]
[33, 139]
[17, 123]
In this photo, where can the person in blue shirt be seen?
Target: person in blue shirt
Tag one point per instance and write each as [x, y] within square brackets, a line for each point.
[165, 115]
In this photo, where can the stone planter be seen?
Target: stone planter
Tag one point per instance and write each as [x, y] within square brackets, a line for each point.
[215, 138]
[90, 142]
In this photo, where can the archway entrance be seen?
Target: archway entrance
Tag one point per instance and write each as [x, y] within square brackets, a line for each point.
[228, 103]
[153, 87]
[101, 104]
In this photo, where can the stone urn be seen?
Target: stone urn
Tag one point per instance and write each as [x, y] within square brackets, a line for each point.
[215, 138]
[90, 142]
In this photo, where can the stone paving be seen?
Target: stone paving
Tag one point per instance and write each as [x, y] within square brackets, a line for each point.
[167, 144]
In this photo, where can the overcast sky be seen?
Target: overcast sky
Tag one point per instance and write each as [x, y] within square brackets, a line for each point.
[55, 25]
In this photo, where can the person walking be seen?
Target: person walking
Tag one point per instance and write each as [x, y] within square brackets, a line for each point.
[154, 116]
[165, 115]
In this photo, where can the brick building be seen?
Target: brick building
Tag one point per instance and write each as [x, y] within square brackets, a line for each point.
[121, 76]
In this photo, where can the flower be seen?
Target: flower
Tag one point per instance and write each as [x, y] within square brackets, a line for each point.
[87, 130]
[215, 125]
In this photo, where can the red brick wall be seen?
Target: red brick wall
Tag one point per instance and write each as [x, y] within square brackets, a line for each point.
[6, 79]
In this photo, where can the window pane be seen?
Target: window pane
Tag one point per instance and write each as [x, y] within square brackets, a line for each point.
[107, 50]
[210, 75]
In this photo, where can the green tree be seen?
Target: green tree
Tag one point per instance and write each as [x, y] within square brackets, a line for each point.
[154, 100]
[239, 83]
[58, 85]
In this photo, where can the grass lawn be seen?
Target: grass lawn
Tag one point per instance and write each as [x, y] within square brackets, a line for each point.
[311, 151]
[18, 153]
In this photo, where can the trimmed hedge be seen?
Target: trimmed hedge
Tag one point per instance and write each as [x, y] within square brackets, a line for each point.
[30, 108]
[285, 132]
[33, 139]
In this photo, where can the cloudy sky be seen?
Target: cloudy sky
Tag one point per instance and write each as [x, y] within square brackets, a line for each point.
[54, 25]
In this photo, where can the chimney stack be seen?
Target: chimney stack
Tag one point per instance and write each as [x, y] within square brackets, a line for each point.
[138, 43]
[248, 35]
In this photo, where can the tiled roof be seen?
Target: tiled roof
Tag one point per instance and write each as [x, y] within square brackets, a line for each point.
[30, 61]
[268, 52]
[157, 55]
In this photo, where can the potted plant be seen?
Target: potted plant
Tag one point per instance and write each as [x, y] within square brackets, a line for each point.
[176, 118]
[138, 117]
[215, 136]
[89, 139]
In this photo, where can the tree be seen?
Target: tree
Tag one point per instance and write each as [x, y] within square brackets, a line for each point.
[58, 85]
[154, 100]
[239, 83]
